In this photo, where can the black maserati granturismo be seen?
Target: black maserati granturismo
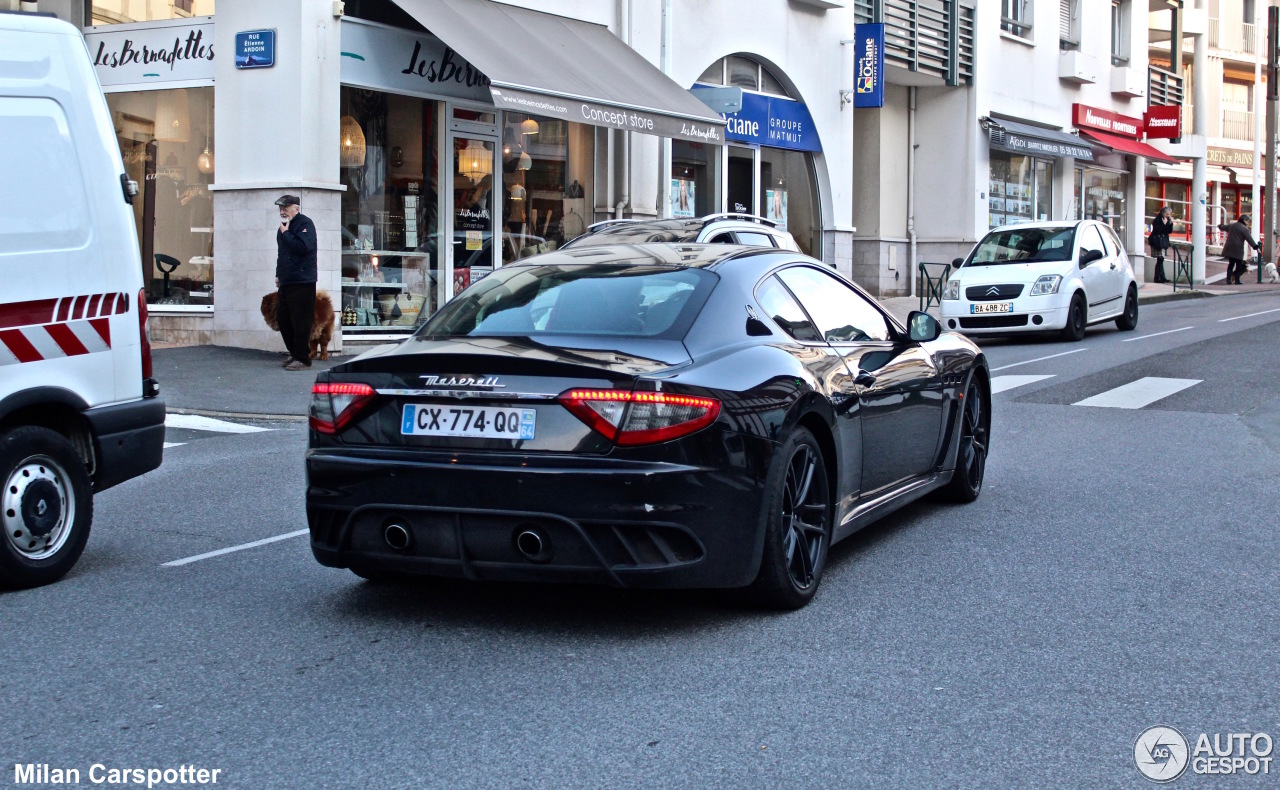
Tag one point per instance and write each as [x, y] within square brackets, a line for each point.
[645, 415]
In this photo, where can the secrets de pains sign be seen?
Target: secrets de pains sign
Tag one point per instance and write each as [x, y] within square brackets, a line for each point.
[868, 66]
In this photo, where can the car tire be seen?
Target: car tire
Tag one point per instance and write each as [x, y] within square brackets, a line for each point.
[795, 550]
[1128, 320]
[1077, 319]
[974, 444]
[46, 507]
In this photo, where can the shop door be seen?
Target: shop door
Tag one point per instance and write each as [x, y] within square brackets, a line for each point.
[740, 197]
[475, 207]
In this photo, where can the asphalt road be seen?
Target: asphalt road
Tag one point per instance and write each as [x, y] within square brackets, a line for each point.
[1119, 571]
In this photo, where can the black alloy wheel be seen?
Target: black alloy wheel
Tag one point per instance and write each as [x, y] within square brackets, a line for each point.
[798, 532]
[1076, 319]
[971, 455]
[1128, 320]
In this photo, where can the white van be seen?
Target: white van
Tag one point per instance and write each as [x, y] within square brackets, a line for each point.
[78, 405]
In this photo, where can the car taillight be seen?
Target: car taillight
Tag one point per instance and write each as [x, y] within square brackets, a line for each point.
[632, 418]
[335, 404]
[144, 330]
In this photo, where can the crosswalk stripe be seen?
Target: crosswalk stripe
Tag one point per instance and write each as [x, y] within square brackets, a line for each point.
[195, 422]
[1003, 383]
[1137, 394]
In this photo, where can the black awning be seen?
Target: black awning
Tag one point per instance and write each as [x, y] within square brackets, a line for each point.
[1021, 138]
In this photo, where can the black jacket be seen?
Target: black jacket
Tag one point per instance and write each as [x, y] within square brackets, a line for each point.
[1237, 234]
[296, 252]
[1160, 230]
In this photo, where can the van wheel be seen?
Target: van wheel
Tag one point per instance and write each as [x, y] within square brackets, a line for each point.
[46, 507]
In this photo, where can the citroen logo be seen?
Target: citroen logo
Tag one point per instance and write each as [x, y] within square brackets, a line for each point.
[993, 290]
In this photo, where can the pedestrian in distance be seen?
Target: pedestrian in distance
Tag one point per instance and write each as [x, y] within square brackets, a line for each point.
[296, 280]
[1238, 233]
[1161, 228]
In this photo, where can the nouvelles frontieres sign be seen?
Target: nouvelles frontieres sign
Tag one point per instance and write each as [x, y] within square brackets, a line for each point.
[1086, 117]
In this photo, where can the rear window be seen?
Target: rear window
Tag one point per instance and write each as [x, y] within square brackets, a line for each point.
[43, 205]
[577, 299]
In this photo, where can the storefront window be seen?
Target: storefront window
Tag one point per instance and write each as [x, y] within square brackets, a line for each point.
[166, 141]
[473, 210]
[789, 196]
[548, 182]
[742, 164]
[113, 12]
[1021, 189]
[1103, 198]
[390, 229]
[695, 178]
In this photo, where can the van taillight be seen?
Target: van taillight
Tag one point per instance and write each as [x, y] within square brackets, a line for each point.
[144, 329]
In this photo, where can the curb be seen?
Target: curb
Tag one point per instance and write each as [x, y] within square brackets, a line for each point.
[1173, 297]
[237, 415]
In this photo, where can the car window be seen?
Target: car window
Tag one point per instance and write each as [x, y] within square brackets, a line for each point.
[782, 307]
[721, 238]
[594, 299]
[1021, 245]
[842, 314]
[754, 239]
[1090, 240]
[1112, 241]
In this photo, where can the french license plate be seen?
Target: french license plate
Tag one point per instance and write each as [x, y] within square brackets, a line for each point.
[489, 422]
[991, 307]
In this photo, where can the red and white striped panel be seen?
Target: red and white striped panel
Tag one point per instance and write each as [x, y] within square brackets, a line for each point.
[53, 328]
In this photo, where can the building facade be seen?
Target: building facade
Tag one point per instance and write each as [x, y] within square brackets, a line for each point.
[432, 141]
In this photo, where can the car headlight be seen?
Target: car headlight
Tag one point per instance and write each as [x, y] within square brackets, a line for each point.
[952, 291]
[1047, 284]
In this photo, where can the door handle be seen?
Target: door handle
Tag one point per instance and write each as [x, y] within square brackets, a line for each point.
[864, 379]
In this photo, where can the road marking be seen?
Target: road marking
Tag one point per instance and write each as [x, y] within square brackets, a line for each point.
[1002, 383]
[230, 549]
[1250, 315]
[1038, 359]
[1156, 334]
[195, 422]
[1137, 394]
[167, 445]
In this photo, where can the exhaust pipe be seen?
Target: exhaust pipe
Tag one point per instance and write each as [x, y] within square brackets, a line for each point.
[533, 546]
[396, 535]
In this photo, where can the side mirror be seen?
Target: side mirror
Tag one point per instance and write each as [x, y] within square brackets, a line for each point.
[957, 263]
[1089, 257]
[922, 327]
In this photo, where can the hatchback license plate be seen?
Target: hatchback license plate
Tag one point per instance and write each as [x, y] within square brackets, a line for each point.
[992, 307]
[474, 423]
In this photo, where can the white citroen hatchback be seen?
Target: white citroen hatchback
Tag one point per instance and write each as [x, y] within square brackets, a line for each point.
[1042, 276]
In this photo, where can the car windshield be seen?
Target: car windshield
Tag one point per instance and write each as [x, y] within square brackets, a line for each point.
[1024, 245]
[577, 299]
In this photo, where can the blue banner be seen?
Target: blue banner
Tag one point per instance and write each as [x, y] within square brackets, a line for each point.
[769, 120]
[255, 49]
[868, 66]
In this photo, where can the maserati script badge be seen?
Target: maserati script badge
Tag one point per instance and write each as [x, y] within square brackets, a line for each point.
[490, 382]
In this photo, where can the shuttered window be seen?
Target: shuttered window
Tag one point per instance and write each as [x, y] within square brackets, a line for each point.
[1068, 15]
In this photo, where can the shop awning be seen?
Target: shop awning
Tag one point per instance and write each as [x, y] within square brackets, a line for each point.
[1127, 146]
[1183, 172]
[1021, 138]
[553, 66]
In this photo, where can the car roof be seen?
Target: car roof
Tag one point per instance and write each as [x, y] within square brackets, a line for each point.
[701, 256]
[1048, 223]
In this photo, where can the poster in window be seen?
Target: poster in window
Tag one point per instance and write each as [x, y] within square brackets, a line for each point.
[997, 204]
[682, 197]
[996, 220]
[461, 279]
[775, 206]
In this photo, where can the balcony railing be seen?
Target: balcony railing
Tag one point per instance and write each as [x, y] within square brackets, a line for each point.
[933, 37]
[1163, 87]
[1232, 36]
[1237, 125]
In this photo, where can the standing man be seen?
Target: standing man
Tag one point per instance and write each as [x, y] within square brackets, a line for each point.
[1238, 233]
[296, 281]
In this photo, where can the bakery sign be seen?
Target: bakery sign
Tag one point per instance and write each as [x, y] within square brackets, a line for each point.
[177, 51]
[1098, 120]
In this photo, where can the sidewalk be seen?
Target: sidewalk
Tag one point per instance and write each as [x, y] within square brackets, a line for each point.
[235, 382]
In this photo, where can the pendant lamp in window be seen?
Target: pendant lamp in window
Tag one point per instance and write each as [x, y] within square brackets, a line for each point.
[525, 163]
[173, 120]
[517, 192]
[529, 126]
[475, 161]
[352, 137]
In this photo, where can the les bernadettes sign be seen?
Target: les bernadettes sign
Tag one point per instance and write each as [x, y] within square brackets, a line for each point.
[165, 52]
[384, 58]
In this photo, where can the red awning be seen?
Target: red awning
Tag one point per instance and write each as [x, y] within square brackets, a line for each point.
[1128, 146]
